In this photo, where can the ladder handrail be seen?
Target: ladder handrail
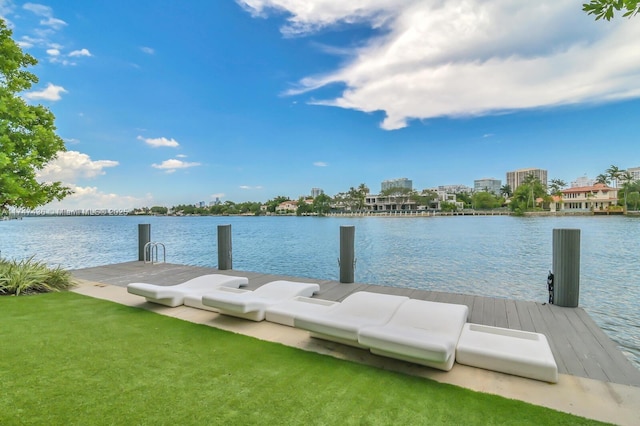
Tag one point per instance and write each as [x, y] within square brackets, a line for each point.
[151, 248]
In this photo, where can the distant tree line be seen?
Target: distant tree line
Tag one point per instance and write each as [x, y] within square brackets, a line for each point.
[526, 198]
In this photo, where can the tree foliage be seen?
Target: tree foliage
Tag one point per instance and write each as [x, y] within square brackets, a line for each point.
[556, 186]
[525, 195]
[27, 133]
[634, 199]
[322, 204]
[607, 8]
[506, 191]
[485, 200]
[275, 202]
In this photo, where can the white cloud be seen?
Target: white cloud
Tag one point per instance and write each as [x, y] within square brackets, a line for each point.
[47, 13]
[173, 164]
[90, 197]
[28, 42]
[311, 15]
[50, 93]
[53, 52]
[6, 7]
[81, 52]
[247, 187]
[148, 50]
[69, 166]
[38, 9]
[434, 59]
[320, 164]
[52, 22]
[158, 142]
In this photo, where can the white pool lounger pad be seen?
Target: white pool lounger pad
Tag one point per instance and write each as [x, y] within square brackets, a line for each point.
[285, 312]
[342, 322]
[516, 352]
[174, 295]
[419, 331]
[252, 305]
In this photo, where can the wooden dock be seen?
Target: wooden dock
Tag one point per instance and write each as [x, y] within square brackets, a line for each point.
[580, 347]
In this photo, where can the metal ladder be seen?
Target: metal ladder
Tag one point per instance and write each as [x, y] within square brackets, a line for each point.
[151, 252]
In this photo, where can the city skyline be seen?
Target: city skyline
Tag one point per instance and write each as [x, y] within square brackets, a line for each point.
[161, 103]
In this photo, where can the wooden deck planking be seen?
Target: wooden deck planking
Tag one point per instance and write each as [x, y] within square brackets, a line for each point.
[475, 315]
[500, 313]
[513, 321]
[580, 347]
[579, 342]
[548, 326]
[601, 348]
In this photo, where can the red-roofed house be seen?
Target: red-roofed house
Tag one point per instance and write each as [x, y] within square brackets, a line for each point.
[288, 206]
[598, 197]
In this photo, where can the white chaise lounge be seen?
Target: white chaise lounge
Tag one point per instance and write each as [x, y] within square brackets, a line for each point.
[252, 305]
[342, 322]
[516, 352]
[419, 331]
[285, 312]
[174, 295]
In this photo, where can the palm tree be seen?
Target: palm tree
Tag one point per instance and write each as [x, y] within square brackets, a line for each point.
[614, 173]
[363, 190]
[556, 186]
[602, 178]
[626, 177]
[506, 191]
[530, 180]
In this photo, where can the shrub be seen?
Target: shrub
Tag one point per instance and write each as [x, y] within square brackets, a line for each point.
[30, 276]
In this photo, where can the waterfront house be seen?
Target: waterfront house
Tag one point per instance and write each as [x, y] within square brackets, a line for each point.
[598, 197]
[388, 203]
[289, 206]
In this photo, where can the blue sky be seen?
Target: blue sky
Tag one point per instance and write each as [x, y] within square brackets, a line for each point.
[169, 102]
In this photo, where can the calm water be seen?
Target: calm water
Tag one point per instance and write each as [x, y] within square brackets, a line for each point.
[496, 256]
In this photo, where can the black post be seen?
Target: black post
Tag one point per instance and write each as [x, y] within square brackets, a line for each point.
[566, 267]
[347, 253]
[144, 237]
[225, 254]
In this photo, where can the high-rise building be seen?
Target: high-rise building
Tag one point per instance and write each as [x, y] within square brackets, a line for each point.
[517, 177]
[315, 192]
[635, 172]
[454, 189]
[487, 184]
[396, 183]
[582, 181]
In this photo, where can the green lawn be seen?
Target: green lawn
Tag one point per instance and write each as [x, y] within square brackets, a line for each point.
[70, 359]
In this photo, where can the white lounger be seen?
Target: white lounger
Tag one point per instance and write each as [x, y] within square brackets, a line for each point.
[252, 305]
[516, 352]
[342, 322]
[420, 331]
[285, 312]
[174, 295]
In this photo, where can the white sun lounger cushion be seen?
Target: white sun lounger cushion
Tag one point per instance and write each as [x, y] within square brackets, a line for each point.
[253, 304]
[419, 331]
[285, 312]
[173, 295]
[342, 322]
[521, 353]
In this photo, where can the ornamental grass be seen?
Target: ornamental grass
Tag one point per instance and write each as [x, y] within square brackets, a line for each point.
[20, 277]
